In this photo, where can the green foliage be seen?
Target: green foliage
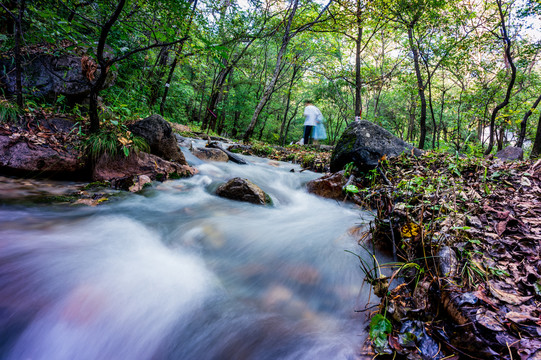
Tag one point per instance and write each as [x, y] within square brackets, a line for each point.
[380, 328]
[113, 141]
[8, 111]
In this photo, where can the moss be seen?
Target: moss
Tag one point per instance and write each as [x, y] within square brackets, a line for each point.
[55, 199]
[268, 200]
[97, 184]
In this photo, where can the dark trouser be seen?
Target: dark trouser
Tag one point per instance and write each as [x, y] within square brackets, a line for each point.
[308, 130]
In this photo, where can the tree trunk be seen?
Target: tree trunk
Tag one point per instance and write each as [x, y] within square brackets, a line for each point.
[270, 86]
[103, 65]
[17, 33]
[156, 74]
[18, 60]
[441, 118]
[536, 149]
[524, 122]
[282, 138]
[420, 87]
[175, 61]
[431, 105]
[358, 84]
[509, 58]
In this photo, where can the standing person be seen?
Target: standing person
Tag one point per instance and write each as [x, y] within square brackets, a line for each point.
[313, 116]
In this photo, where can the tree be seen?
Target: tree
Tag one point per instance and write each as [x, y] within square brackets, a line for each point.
[288, 35]
[104, 61]
[18, 33]
[504, 37]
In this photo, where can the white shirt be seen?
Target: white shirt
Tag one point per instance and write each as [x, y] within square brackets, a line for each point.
[312, 114]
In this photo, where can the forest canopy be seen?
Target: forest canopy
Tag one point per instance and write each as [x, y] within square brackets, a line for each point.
[457, 75]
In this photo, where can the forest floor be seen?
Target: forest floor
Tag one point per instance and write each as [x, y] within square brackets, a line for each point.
[466, 241]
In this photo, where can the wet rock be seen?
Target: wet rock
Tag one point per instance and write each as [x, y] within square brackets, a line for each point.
[139, 183]
[413, 335]
[208, 154]
[108, 168]
[159, 136]
[22, 157]
[328, 186]
[448, 262]
[183, 141]
[365, 143]
[49, 76]
[243, 190]
[510, 153]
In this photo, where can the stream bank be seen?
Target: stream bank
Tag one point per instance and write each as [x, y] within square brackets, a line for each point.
[465, 236]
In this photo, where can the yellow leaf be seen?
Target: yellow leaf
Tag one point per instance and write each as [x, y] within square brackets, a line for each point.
[124, 141]
[410, 230]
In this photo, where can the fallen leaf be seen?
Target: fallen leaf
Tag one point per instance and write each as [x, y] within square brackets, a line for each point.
[520, 318]
[507, 297]
[489, 320]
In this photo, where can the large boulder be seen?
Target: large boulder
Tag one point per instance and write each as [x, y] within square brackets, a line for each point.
[49, 76]
[32, 156]
[120, 167]
[510, 153]
[159, 136]
[243, 190]
[365, 143]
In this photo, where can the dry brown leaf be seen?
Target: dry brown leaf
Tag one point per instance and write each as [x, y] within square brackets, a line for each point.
[520, 318]
[508, 297]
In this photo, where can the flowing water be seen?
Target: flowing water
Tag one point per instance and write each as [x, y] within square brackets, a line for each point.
[179, 273]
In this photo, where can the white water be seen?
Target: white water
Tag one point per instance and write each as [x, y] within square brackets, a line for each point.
[179, 273]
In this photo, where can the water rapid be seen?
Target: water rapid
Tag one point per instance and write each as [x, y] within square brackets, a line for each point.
[179, 273]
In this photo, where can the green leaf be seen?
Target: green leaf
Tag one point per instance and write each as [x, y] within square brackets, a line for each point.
[380, 327]
[126, 151]
[352, 189]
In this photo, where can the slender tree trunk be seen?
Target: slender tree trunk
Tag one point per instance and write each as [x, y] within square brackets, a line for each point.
[536, 149]
[524, 122]
[441, 118]
[358, 83]
[296, 69]
[18, 59]
[431, 105]
[156, 74]
[175, 61]
[509, 58]
[420, 87]
[103, 65]
[290, 120]
[458, 138]
[270, 86]
[17, 33]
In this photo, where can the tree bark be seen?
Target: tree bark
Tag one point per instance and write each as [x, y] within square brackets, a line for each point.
[358, 83]
[175, 61]
[270, 86]
[18, 34]
[509, 58]
[524, 122]
[420, 86]
[103, 66]
[536, 149]
[282, 138]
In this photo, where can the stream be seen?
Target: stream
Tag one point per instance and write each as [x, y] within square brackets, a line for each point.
[178, 273]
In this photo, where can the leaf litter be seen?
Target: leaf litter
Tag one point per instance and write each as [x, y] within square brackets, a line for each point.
[472, 229]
